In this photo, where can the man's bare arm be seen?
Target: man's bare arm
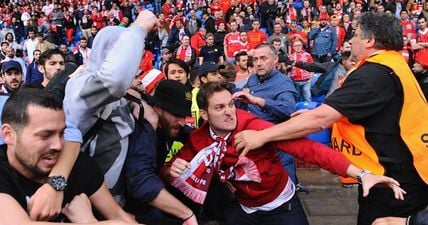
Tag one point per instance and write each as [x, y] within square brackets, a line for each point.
[168, 203]
[299, 126]
[104, 202]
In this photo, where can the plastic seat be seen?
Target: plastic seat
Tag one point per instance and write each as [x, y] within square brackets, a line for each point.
[306, 105]
[323, 136]
[319, 99]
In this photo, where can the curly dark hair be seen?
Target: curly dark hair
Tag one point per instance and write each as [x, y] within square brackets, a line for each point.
[384, 28]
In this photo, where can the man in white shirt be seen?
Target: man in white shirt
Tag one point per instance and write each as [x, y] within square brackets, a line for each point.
[30, 46]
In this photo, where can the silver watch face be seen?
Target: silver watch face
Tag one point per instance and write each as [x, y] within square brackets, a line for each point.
[59, 183]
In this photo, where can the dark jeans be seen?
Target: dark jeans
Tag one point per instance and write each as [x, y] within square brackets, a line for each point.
[290, 213]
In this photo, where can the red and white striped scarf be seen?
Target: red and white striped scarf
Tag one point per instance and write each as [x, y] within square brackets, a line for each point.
[195, 181]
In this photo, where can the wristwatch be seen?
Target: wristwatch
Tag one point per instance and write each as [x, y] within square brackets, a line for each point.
[362, 173]
[59, 183]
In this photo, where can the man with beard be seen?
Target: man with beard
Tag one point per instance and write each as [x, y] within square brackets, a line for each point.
[33, 74]
[148, 150]
[325, 40]
[12, 76]
[82, 52]
[30, 46]
[10, 55]
[91, 38]
[66, 53]
[50, 64]
[33, 129]
[4, 45]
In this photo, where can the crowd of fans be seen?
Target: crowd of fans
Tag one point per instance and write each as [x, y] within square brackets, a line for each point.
[267, 51]
[201, 31]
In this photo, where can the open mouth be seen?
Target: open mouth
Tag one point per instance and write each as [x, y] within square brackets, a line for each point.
[50, 159]
[229, 120]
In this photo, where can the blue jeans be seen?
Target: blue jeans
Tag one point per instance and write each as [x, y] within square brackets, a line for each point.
[304, 90]
[290, 213]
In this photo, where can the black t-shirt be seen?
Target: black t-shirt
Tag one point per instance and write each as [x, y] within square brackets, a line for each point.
[372, 96]
[210, 53]
[85, 177]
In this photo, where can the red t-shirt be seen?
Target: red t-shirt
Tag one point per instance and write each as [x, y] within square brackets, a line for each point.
[238, 47]
[197, 41]
[409, 29]
[229, 40]
[256, 37]
[422, 36]
[298, 74]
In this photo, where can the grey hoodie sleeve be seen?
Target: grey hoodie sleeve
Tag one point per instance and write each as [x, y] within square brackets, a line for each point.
[114, 60]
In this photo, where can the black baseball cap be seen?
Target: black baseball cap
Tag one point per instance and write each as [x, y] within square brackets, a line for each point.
[11, 65]
[207, 67]
[174, 97]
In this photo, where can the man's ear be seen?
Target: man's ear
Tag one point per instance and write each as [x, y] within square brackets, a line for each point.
[8, 133]
[203, 114]
[370, 43]
[276, 59]
[41, 69]
[203, 79]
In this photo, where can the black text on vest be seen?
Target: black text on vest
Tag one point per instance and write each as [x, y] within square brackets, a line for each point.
[342, 145]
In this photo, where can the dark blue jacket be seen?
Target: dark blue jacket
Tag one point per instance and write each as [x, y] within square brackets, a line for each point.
[146, 156]
[33, 74]
[141, 168]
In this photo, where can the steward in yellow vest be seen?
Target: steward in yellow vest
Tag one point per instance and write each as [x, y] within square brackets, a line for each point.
[379, 117]
[350, 138]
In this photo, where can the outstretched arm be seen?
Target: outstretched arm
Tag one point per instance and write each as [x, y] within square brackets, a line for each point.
[312, 121]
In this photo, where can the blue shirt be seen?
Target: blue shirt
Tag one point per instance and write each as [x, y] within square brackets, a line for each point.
[279, 94]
